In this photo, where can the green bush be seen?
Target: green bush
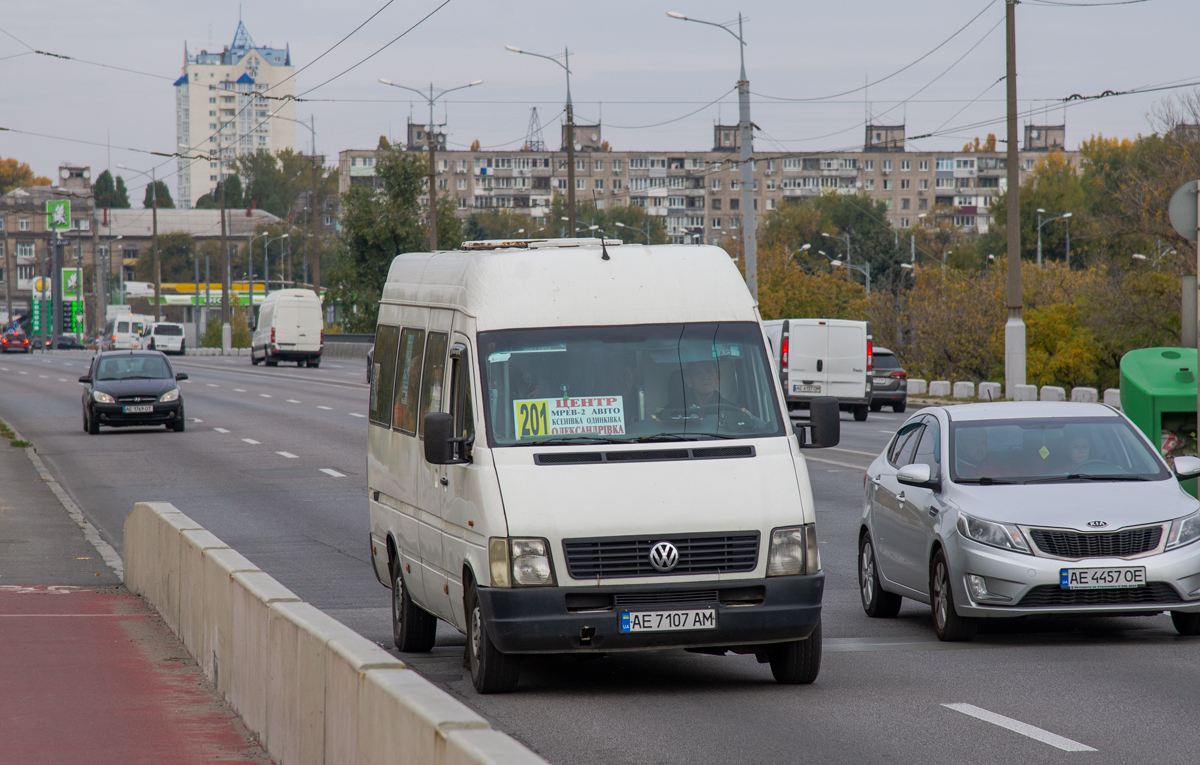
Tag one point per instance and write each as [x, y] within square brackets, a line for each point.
[241, 336]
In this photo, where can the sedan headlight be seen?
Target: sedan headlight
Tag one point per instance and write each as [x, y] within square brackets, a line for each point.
[527, 560]
[100, 397]
[171, 395]
[1002, 535]
[793, 551]
[1184, 531]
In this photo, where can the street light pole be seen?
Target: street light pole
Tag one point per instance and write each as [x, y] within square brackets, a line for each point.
[154, 237]
[431, 99]
[1014, 328]
[1064, 216]
[566, 65]
[750, 241]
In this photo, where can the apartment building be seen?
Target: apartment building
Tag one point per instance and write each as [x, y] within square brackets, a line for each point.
[221, 111]
[698, 194]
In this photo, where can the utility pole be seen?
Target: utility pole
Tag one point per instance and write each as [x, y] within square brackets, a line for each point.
[8, 276]
[226, 330]
[429, 139]
[1014, 328]
[157, 256]
[316, 242]
[570, 147]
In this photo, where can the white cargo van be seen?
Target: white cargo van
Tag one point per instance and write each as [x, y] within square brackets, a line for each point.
[823, 357]
[290, 328]
[584, 449]
[165, 336]
[125, 332]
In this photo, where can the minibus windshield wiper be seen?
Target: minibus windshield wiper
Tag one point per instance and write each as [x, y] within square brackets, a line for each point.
[583, 438]
[681, 437]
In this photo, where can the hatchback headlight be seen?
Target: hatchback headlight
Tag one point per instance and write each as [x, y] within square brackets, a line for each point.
[1184, 531]
[1002, 535]
[527, 560]
[100, 397]
[793, 551]
[171, 395]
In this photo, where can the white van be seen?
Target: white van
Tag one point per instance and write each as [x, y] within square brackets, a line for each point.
[290, 328]
[165, 336]
[584, 449]
[125, 332]
[823, 357]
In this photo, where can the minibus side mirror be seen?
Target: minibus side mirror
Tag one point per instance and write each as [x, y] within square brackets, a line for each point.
[824, 424]
[440, 443]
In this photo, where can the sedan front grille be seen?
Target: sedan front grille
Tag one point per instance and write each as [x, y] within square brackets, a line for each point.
[616, 557]
[1051, 595]
[136, 399]
[1115, 544]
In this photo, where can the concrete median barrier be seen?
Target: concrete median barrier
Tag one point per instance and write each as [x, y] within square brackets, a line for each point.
[989, 391]
[1024, 393]
[312, 690]
[1112, 397]
[964, 390]
[1053, 393]
[939, 388]
[1085, 395]
[916, 387]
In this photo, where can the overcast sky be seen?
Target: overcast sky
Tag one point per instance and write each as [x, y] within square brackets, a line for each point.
[632, 67]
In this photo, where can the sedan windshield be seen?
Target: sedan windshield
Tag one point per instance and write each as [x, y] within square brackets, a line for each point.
[667, 382]
[133, 368]
[1049, 450]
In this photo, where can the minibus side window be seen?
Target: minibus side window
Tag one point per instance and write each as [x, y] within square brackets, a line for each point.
[460, 397]
[434, 377]
[408, 380]
[383, 374]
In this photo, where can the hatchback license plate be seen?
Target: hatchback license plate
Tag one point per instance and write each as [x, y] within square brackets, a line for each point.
[1101, 578]
[662, 621]
[138, 409]
[806, 389]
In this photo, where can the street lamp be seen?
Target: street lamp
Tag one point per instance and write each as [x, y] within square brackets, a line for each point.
[566, 65]
[644, 231]
[267, 264]
[429, 139]
[1064, 216]
[157, 262]
[315, 253]
[746, 138]
[864, 271]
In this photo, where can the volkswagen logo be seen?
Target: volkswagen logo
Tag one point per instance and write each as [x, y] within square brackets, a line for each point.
[664, 556]
[1097, 524]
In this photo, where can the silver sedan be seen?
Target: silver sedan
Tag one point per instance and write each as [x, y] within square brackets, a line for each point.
[1020, 509]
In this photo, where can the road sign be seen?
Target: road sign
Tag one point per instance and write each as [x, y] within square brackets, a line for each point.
[41, 288]
[1182, 210]
[71, 282]
[58, 214]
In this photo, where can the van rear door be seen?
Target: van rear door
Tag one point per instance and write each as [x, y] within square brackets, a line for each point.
[308, 325]
[808, 357]
[847, 365]
[287, 323]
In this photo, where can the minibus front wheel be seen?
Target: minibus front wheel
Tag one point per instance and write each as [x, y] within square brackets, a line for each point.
[491, 671]
[413, 628]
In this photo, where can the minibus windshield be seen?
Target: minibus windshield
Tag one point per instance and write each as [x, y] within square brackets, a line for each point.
[640, 383]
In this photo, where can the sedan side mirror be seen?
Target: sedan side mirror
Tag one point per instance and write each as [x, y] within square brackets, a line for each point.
[440, 443]
[918, 474]
[1187, 467]
[824, 424]
[85, 379]
[181, 375]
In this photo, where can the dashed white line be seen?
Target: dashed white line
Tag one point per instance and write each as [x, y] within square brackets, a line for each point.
[221, 430]
[355, 414]
[1025, 729]
[252, 441]
[289, 455]
[62, 379]
[266, 395]
[195, 419]
[4, 369]
[332, 472]
[293, 401]
[212, 385]
[239, 390]
[326, 408]
[24, 373]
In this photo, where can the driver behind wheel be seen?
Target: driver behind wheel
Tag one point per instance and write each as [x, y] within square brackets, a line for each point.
[702, 383]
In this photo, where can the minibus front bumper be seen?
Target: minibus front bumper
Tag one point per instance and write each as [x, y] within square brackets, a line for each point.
[588, 618]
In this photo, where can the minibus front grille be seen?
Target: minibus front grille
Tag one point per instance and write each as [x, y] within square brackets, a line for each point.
[664, 597]
[617, 557]
[644, 455]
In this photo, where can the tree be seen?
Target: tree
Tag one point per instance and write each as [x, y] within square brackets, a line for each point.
[988, 145]
[177, 248]
[164, 196]
[212, 200]
[14, 174]
[120, 195]
[1056, 186]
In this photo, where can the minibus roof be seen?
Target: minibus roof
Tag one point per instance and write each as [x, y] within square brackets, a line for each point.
[546, 283]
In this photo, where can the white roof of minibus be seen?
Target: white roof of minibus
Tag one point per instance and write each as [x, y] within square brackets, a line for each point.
[549, 285]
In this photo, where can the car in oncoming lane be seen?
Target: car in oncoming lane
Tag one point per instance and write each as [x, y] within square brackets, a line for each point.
[1028, 509]
[15, 341]
[132, 388]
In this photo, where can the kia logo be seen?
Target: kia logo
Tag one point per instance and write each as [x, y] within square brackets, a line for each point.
[1097, 524]
[664, 556]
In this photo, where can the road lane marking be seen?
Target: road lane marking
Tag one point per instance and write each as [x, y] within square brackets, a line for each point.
[4, 368]
[332, 472]
[212, 385]
[872, 455]
[266, 395]
[195, 419]
[24, 373]
[289, 455]
[835, 462]
[889, 432]
[43, 377]
[1025, 729]
[62, 379]
[355, 414]
[252, 441]
[293, 401]
[326, 408]
[239, 390]
[221, 430]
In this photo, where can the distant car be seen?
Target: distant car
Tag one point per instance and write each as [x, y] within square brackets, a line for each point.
[890, 387]
[15, 341]
[1007, 510]
[163, 336]
[132, 388]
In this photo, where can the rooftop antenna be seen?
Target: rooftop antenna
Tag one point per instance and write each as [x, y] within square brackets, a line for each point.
[533, 137]
[603, 249]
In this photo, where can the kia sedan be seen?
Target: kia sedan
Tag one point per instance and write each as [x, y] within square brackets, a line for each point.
[132, 388]
[1013, 509]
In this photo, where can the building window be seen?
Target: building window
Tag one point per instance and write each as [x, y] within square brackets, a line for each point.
[637, 163]
[616, 184]
[733, 185]
[734, 203]
[887, 203]
[869, 184]
[716, 184]
[658, 164]
[443, 183]
[212, 177]
[580, 184]
[733, 222]
[905, 164]
[1029, 164]
[923, 165]
[924, 184]
[716, 204]
[616, 165]
[25, 250]
[461, 184]
[964, 220]
[676, 202]
[770, 204]
[443, 165]
[904, 203]
[328, 220]
[212, 101]
[887, 185]
[599, 166]
[944, 164]
[904, 184]
[868, 164]
[463, 203]
[923, 203]
[887, 165]
[904, 222]
[24, 224]
[599, 185]
[716, 222]
[770, 184]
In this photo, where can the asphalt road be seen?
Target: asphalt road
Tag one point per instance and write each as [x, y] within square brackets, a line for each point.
[273, 462]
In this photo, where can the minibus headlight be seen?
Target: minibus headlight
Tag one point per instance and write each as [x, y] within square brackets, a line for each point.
[531, 562]
[171, 395]
[100, 397]
[786, 554]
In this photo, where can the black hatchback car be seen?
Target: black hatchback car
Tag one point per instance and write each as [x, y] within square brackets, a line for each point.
[132, 388]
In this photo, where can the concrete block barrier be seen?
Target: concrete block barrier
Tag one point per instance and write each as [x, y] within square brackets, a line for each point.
[1053, 393]
[1024, 393]
[312, 690]
[1112, 397]
[964, 390]
[1085, 395]
[939, 388]
[916, 387]
[989, 391]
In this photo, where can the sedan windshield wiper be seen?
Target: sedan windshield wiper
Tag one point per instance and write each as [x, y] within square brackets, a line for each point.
[1087, 477]
[986, 481]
